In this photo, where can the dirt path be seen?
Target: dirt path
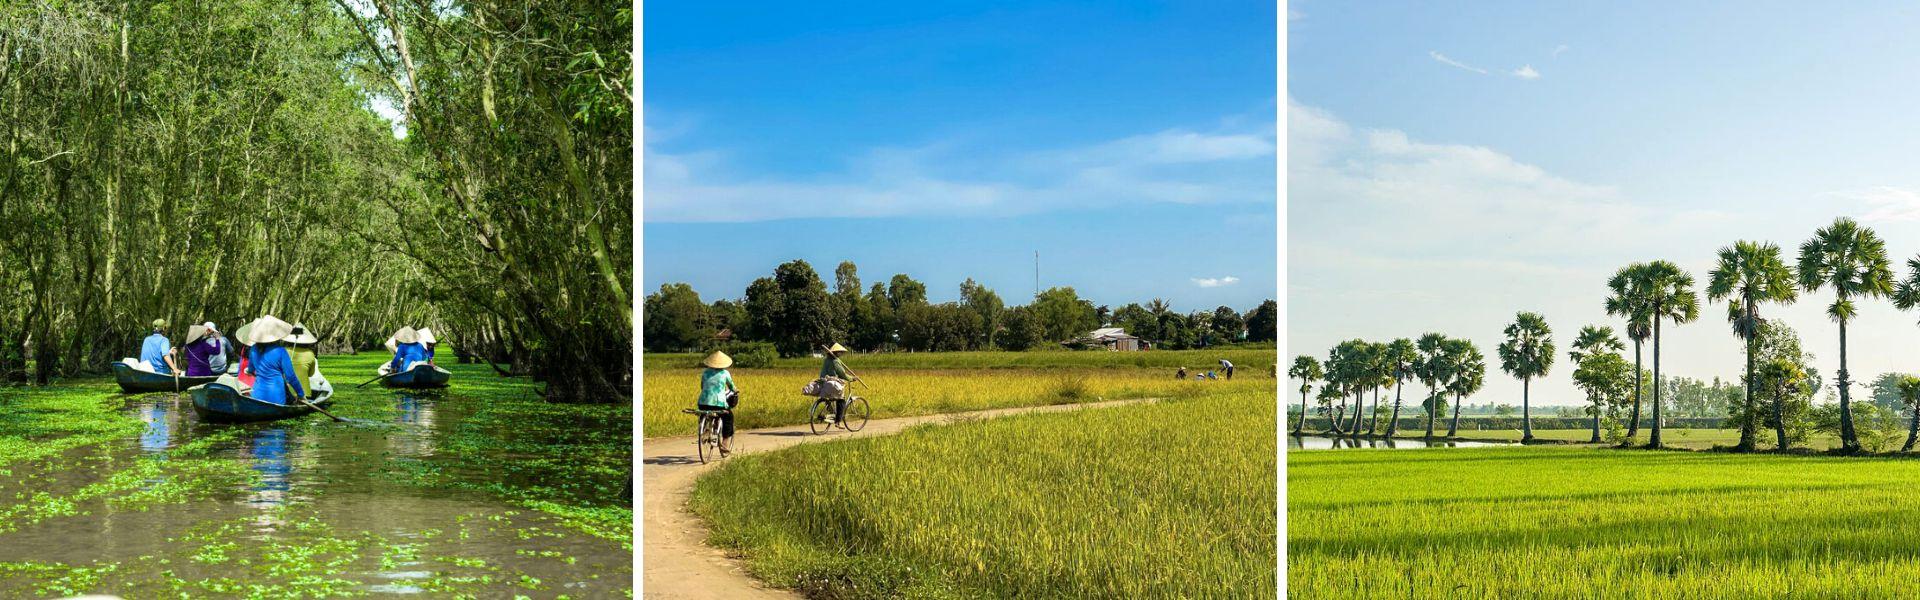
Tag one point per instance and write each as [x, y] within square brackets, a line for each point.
[679, 563]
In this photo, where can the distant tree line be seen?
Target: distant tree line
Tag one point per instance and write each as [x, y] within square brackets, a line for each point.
[794, 310]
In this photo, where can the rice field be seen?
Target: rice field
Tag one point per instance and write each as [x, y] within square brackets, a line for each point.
[1165, 499]
[1247, 360]
[1572, 522]
[771, 397]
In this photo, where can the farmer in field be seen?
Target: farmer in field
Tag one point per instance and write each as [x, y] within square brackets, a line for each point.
[717, 392]
[1226, 366]
[836, 376]
[1180, 374]
[156, 351]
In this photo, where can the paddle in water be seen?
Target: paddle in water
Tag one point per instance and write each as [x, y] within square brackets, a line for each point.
[317, 407]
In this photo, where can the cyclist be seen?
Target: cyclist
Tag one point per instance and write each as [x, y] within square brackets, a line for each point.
[837, 376]
[717, 393]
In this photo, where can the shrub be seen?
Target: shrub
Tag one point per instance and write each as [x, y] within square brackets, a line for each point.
[747, 355]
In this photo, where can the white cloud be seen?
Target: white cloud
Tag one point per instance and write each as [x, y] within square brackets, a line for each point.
[1883, 204]
[1558, 49]
[1454, 63]
[1213, 282]
[1184, 166]
[1294, 14]
[1525, 72]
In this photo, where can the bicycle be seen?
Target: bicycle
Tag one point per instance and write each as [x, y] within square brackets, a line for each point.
[856, 415]
[707, 441]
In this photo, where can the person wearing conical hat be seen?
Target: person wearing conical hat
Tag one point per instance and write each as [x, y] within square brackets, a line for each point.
[243, 339]
[427, 340]
[406, 351]
[156, 351]
[272, 366]
[227, 355]
[717, 393]
[837, 376]
[201, 347]
[306, 364]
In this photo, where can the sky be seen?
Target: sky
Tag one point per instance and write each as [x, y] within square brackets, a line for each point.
[1451, 165]
[1131, 144]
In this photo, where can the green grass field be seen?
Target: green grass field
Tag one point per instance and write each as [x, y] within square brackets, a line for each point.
[1576, 522]
[1172, 499]
[1247, 361]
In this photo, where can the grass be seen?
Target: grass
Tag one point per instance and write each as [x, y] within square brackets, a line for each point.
[1571, 522]
[771, 397]
[1247, 361]
[1168, 499]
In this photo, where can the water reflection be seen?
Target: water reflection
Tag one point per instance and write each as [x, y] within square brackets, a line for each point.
[159, 432]
[1316, 442]
[417, 412]
[268, 451]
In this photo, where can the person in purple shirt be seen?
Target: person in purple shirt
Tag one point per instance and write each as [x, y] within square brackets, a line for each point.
[270, 363]
[201, 349]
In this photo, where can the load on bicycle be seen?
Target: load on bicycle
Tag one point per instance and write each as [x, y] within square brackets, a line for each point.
[831, 390]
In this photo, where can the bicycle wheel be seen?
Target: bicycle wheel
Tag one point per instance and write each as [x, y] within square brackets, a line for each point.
[817, 416]
[700, 439]
[856, 414]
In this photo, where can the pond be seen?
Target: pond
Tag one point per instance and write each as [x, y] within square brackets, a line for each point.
[475, 490]
[1316, 442]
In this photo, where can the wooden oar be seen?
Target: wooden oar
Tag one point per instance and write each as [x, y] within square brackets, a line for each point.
[317, 407]
[370, 381]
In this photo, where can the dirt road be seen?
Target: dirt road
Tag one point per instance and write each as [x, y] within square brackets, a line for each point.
[679, 564]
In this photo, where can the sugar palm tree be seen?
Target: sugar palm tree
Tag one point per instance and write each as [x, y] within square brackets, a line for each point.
[1469, 373]
[1527, 353]
[1431, 369]
[1399, 358]
[1593, 341]
[1628, 299]
[1306, 370]
[1853, 261]
[1909, 387]
[1782, 378]
[1750, 273]
[1669, 297]
[1336, 386]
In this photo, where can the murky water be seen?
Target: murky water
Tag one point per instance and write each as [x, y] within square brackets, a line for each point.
[1315, 442]
[374, 506]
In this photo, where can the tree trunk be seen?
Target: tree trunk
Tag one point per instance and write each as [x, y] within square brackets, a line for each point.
[1849, 442]
[1596, 422]
[1780, 420]
[1633, 423]
[1746, 421]
[1454, 426]
[1373, 416]
[1526, 410]
[1302, 427]
[1359, 408]
[1913, 430]
[1653, 441]
[1433, 399]
[1393, 424]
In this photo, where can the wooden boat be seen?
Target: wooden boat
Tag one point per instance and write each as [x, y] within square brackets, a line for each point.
[135, 381]
[221, 404]
[421, 376]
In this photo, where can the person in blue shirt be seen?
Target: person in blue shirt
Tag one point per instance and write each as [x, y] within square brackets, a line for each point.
[156, 351]
[406, 350]
[717, 393]
[272, 366]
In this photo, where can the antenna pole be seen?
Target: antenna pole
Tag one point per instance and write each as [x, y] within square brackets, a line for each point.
[1036, 273]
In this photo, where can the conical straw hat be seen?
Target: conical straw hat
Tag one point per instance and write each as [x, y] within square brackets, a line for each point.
[268, 330]
[406, 335]
[426, 336]
[194, 333]
[300, 335]
[837, 348]
[717, 360]
[244, 333]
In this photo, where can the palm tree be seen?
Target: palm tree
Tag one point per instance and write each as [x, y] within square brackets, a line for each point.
[1399, 358]
[1528, 353]
[1468, 375]
[1853, 261]
[1305, 370]
[1336, 378]
[1593, 341]
[1432, 370]
[1328, 394]
[1749, 273]
[1909, 387]
[1629, 300]
[1669, 297]
[1782, 377]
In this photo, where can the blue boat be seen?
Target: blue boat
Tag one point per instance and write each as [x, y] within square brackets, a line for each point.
[135, 381]
[221, 404]
[421, 376]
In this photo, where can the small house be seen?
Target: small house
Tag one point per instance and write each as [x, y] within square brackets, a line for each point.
[1112, 338]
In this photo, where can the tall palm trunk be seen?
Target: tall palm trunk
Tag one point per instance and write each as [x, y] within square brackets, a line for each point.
[1596, 423]
[1302, 427]
[1359, 406]
[1433, 399]
[1653, 441]
[1780, 420]
[1848, 441]
[1454, 425]
[1913, 430]
[1393, 424]
[1526, 410]
[1746, 422]
[1373, 416]
[1633, 423]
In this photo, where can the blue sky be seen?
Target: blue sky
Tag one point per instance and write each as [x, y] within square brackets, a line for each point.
[1452, 164]
[1130, 144]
